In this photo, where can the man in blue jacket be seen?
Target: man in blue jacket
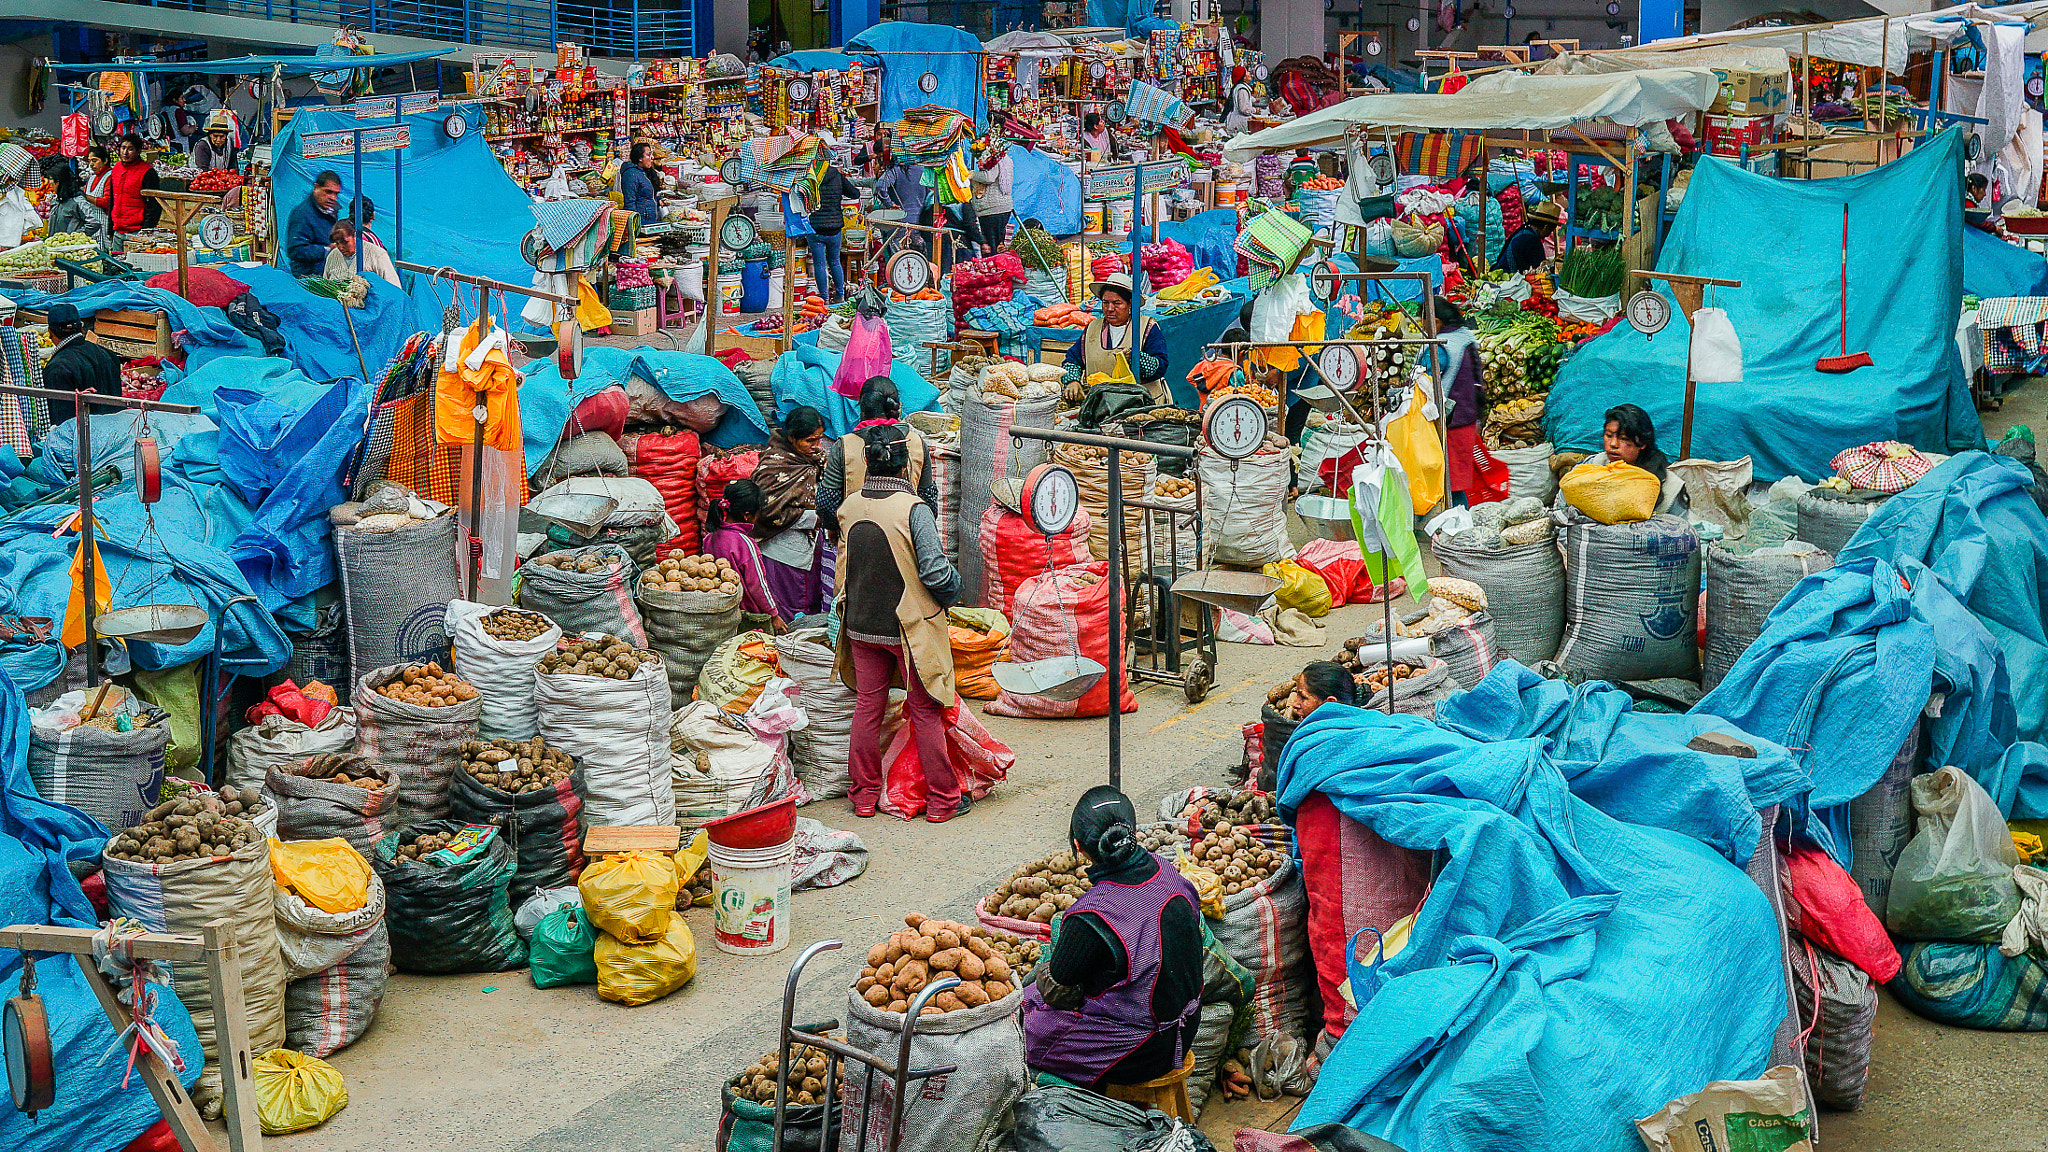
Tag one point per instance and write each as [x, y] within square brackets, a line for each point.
[310, 225]
[636, 183]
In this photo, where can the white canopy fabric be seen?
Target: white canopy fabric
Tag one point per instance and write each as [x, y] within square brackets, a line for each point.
[1503, 100]
[1861, 42]
[1761, 57]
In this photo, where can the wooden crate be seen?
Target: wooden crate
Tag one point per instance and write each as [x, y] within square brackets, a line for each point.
[605, 839]
[133, 333]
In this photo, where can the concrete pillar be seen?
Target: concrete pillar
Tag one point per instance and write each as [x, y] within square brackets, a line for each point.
[1291, 28]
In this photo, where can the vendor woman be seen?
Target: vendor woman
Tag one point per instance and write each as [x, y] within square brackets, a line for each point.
[729, 531]
[1106, 335]
[844, 471]
[1117, 1001]
[1628, 437]
[1321, 682]
[792, 547]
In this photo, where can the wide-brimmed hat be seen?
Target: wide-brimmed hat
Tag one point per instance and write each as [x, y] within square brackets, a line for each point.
[219, 121]
[1542, 212]
[1121, 281]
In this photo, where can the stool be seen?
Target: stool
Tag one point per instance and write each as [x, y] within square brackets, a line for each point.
[1169, 1093]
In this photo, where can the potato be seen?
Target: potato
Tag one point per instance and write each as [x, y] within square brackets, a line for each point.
[947, 1002]
[922, 947]
[898, 1005]
[886, 972]
[996, 989]
[947, 938]
[876, 995]
[970, 993]
[969, 966]
[978, 944]
[996, 968]
[947, 959]
[878, 955]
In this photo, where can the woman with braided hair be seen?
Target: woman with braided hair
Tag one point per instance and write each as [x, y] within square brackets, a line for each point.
[729, 536]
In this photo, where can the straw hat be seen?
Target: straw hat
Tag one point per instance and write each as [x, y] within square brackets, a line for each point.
[1121, 281]
[1542, 212]
[219, 121]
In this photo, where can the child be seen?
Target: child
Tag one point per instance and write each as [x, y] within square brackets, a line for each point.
[729, 535]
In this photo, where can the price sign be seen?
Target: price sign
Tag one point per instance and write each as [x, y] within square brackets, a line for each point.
[391, 139]
[318, 145]
[376, 107]
[1648, 312]
[419, 103]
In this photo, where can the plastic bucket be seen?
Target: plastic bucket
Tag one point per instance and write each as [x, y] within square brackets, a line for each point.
[754, 287]
[750, 898]
[730, 293]
[1093, 216]
[1119, 219]
[775, 288]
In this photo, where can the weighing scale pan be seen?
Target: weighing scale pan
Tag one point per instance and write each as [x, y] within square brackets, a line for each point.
[1237, 591]
[1063, 678]
[581, 513]
[153, 623]
[537, 347]
[1320, 396]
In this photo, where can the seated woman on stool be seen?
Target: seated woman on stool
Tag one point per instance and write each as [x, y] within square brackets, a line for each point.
[1117, 1001]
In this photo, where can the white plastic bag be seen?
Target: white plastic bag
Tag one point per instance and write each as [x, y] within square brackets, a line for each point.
[1716, 353]
[1954, 880]
[1588, 309]
[501, 671]
[535, 908]
[2029, 929]
[1718, 492]
[1274, 310]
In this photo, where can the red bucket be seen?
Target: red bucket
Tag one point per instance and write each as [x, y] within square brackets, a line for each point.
[769, 826]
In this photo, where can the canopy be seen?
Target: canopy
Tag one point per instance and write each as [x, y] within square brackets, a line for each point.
[1504, 100]
[307, 65]
[906, 52]
[1862, 41]
[814, 60]
[1744, 55]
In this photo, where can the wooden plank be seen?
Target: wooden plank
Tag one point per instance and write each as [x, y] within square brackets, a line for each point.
[231, 1037]
[78, 942]
[171, 1100]
[632, 838]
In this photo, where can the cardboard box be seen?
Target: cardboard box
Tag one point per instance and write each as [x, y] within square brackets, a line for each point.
[636, 323]
[1762, 163]
[1726, 135]
[1751, 92]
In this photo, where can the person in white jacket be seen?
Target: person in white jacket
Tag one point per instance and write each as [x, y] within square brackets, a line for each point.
[341, 256]
[992, 203]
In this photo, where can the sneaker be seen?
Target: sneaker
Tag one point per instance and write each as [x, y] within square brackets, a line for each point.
[963, 808]
[864, 811]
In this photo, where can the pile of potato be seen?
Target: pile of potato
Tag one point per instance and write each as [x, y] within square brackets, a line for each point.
[512, 624]
[1280, 698]
[1220, 811]
[1376, 681]
[427, 686]
[1020, 954]
[335, 768]
[608, 657]
[807, 1065]
[414, 845]
[190, 828]
[698, 887]
[1173, 488]
[1240, 860]
[1163, 839]
[589, 563]
[516, 766]
[928, 950]
[1042, 889]
[691, 574]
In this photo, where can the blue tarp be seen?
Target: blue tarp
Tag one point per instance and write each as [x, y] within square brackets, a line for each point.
[316, 334]
[688, 375]
[460, 208]
[546, 400]
[1992, 267]
[306, 65]
[207, 331]
[1568, 972]
[803, 375]
[38, 839]
[1186, 334]
[1208, 237]
[906, 52]
[1783, 240]
[1043, 188]
[814, 60]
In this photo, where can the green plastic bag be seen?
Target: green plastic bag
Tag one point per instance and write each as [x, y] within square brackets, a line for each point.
[563, 949]
[176, 691]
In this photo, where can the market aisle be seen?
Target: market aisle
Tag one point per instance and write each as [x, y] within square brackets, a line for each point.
[449, 1064]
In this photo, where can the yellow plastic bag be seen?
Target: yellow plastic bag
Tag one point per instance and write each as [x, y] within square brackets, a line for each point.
[1208, 885]
[1191, 287]
[1415, 442]
[1299, 588]
[633, 974]
[1614, 493]
[591, 313]
[688, 860]
[295, 1091]
[1120, 370]
[328, 874]
[631, 895]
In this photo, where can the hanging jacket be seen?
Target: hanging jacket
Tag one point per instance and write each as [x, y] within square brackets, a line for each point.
[476, 365]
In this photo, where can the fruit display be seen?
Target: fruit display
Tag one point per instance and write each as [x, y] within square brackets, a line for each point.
[1041, 889]
[189, 828]
[216, 180]
[807, 1066]
[927, 950]
[516, 766]
[354, 771]
[516, 625]
[614, 659]
[691, 574]
[427, 686]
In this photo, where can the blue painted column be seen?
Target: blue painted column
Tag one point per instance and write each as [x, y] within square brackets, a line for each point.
[1659, 20]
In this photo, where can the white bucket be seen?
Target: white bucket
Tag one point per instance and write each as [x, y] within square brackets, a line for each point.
[750, 898]
[775, 290]
[1119, 218]
[729, 293]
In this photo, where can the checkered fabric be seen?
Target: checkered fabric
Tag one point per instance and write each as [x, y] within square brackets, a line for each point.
[1156, 105]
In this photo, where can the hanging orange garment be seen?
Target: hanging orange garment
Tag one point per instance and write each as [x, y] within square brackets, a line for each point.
[478, 367]
[1209, 375]
[102, 587]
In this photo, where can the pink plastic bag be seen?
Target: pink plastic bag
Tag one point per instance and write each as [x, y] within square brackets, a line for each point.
[1833, 915]
[866, 356]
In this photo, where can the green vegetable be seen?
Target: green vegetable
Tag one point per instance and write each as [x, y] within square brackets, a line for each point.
[1593, 272]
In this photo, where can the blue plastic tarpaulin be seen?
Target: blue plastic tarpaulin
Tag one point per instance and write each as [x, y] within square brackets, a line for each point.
[38, 841]
[906, 52]
[688, 375]
[1535, 1004]
[460, 209]
[1992, 267]
[306, 65]
[803, 375]
[1046, 190]
[1209, 238]
[1783, 240]
[814, 60]
[206, 331]
[317, 336]
[1188, 333]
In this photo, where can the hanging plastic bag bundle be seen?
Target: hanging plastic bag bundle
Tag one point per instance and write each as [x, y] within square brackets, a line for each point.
[1954, 880]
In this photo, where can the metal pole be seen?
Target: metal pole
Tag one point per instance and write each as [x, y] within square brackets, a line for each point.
[476, 470]
[86, 534]
[1116, 621]
[355, 210]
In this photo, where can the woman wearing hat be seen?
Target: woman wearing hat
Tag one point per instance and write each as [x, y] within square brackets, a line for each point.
[1110, 333]
[214, 152]
[1238, 116]
[1524, 250]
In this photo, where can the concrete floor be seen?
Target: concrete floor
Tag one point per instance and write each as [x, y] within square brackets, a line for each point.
[488, 1062]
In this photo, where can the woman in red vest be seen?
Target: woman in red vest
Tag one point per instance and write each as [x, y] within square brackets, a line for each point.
[131, 211]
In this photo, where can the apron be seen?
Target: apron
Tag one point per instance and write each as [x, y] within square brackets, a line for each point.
[1082, 1046]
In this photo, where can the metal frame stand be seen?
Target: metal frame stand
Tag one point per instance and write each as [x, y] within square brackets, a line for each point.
[1118, 673]
[1166, 634]
[898, 1071]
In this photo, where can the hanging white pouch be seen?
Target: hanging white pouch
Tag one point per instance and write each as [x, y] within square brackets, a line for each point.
[1716, 353]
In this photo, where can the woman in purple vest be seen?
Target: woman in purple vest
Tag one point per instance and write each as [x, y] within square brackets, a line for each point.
[1117, 1001]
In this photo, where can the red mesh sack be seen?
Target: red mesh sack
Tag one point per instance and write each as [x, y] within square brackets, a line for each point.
[716, 469]
[1058, 614]
[670, 464]
[1013, 551]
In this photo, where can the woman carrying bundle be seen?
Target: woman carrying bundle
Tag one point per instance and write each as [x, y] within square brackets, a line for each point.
[793, 549]
[1117, 1002]
[729, 535]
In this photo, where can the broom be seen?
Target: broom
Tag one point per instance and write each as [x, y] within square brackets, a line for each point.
[1848, 361]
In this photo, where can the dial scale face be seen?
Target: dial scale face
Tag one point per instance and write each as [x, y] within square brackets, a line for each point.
[909, 273]
[1236, 427]
[1339, 366]
[1648, 312]
[1053, 496]
[736, 233]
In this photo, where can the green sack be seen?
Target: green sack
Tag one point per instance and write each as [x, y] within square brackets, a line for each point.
[563, 948]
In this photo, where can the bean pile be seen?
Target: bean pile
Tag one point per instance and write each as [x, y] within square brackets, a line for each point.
[928, 950]
[427, 686]
[512, 624]
[691, 574]
[187, 829]
[331, 767]
[807, 1065]
[614, 659]
[516, 766]
[1043, 888]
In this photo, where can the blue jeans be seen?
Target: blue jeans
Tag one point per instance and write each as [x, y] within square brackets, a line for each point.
[824, 255]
